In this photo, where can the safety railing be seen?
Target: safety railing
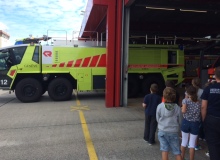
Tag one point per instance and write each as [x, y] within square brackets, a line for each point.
[92, 38]
[62, 36]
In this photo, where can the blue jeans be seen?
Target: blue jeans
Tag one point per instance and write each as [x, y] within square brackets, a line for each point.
[169, 141]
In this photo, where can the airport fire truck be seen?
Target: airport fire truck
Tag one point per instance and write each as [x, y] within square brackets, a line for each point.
[206, 73]
[32, 69]
[211, 70]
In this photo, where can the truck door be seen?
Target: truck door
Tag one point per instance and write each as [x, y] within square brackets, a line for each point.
[31, 60]
[9, 59]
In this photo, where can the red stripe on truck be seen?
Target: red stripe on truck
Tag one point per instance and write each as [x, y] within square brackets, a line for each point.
[86, 62]
[70, 63]
[102, 61]
[94, 61]
[62, 64]
[78, 62]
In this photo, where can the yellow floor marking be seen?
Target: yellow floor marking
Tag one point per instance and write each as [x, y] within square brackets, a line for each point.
[89, 143]
[78, 108]
[78, 102]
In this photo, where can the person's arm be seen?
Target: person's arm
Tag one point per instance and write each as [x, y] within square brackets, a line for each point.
[183, 108]
[145, 101]
[158, 113]
[186, 95]
[204, 109]
[179, 116]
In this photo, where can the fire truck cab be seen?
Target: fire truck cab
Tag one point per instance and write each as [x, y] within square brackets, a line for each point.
[206, 73]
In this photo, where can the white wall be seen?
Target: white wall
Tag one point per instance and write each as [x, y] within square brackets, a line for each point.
[3, 42]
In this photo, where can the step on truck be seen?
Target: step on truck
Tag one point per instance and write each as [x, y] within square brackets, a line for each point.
[32, 69]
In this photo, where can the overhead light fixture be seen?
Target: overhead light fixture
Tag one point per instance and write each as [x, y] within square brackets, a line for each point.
[190, 10]
[169, 9]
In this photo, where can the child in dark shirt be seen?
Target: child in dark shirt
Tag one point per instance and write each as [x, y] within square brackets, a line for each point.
[150, 104]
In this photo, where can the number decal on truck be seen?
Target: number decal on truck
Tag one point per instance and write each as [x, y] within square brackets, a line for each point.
[4, 82]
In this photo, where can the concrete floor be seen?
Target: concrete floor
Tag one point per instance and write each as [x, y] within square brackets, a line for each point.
[49, 130]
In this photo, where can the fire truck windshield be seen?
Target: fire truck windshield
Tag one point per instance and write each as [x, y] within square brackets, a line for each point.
[11, 56]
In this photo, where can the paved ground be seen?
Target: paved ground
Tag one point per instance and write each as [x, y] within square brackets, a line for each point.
[80, 129]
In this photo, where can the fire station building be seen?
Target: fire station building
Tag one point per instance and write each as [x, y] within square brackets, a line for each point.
[121, 22]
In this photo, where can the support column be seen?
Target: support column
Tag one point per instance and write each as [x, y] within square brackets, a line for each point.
[125, 57]
[111, 45]
[119, 51]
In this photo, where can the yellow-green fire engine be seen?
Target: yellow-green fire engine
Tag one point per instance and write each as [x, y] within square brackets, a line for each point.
[32, 69]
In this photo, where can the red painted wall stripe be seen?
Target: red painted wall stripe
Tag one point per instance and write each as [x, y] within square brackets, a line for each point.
[94, 61]
[147, 66]
[70, 63]
[86, 62]
[78, 63]
[102, 61]
[152, 65]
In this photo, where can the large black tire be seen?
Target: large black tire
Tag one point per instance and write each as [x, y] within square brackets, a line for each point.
[150, 80]
[133, 87]
[28, 90]
[60, 89]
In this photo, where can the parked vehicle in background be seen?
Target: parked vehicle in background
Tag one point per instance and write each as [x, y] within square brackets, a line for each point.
[32, 69]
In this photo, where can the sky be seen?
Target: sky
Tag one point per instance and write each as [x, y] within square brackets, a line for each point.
[21, 18]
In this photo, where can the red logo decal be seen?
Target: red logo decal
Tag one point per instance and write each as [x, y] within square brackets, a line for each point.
[47, 53]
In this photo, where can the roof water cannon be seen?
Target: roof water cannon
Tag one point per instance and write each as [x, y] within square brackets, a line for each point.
[32, 40]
